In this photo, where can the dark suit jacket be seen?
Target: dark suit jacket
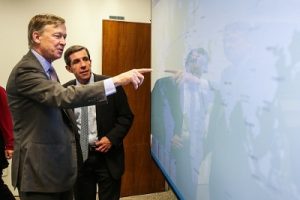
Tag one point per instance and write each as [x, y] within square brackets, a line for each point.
[45, 157]
[114, 120]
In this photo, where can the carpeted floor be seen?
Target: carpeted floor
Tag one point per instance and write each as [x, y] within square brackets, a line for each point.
[168, 195]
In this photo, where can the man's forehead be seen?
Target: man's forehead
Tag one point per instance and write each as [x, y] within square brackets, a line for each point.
[82, 53]
[79, 55]
[55, 27]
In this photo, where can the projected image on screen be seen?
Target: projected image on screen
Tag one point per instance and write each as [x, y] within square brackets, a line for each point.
[225, 100]
[181, 102]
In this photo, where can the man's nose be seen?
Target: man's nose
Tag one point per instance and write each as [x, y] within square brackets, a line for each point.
[63, 41]
[82, 64]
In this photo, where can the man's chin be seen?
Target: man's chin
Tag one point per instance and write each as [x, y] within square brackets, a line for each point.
[84, 80]
[59, 55]
[56, 57]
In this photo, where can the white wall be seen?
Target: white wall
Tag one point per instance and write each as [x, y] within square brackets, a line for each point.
[83, 21]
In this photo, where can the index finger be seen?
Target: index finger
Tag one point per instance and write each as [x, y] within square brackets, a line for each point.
[144, 70]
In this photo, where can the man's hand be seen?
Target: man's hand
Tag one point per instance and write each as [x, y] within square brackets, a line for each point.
[134, 76]
[9, 153]
[103, 145]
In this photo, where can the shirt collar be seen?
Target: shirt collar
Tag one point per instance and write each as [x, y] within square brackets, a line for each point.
[45, 64]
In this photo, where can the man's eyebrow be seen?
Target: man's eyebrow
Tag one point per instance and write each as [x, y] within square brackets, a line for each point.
[75, 60]
[78, 59]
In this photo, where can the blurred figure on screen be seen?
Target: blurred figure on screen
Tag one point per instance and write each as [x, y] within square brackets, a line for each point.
[242, 125]
[184, 99]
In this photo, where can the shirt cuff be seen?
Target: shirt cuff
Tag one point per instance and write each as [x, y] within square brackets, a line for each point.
[109, 87]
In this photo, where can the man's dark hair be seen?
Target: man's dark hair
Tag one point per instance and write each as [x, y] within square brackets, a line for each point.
[73, 49]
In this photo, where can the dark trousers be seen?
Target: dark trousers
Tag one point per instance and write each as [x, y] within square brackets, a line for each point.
[93, 173]
[5, 193]
[68, 195]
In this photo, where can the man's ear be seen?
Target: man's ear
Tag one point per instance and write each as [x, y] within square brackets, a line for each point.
[69, 68]
[36, 37]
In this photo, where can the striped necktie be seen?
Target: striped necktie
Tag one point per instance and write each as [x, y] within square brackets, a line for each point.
[84, 132]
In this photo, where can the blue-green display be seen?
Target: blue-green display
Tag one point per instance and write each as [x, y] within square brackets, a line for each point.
[225, 121]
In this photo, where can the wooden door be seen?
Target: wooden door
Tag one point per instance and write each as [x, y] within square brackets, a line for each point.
[126, 45]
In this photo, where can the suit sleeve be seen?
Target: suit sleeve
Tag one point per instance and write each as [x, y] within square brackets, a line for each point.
[34, 84]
